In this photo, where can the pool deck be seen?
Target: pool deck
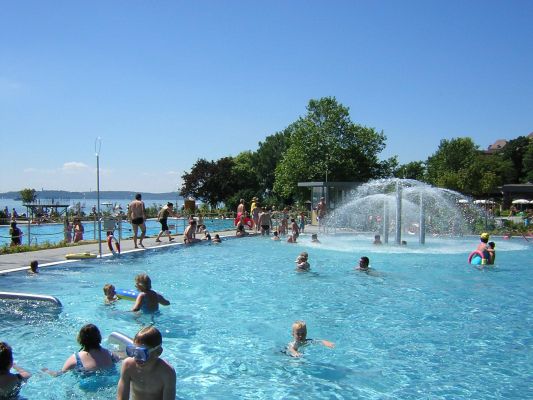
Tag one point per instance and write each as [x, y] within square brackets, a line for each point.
[21, 261]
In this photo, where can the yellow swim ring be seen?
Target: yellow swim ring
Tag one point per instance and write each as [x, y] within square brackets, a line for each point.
[78, 256]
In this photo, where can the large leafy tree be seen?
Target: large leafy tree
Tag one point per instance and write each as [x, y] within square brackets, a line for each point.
[486, 173]
[528, 163]
[326, 145]
[412, 170]
[515, 151]
[28, 195]
[448, 166]
[223, 180]
[267, 157]
[209, 181]
[459, 165]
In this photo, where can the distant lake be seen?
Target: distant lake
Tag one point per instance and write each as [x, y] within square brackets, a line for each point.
[87, 204]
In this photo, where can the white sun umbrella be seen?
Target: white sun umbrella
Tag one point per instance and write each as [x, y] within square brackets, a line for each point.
[484, 202]
[520, 201]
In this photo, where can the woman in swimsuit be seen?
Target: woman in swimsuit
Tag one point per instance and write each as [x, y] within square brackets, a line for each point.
[91, 357]
[10, 383]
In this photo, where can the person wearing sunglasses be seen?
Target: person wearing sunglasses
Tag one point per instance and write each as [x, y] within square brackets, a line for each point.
[144, 374]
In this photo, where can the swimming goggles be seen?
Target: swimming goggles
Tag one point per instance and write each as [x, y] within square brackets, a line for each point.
[140, 353]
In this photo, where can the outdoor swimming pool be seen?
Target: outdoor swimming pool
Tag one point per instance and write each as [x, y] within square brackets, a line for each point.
[426, 325]
[53, 233]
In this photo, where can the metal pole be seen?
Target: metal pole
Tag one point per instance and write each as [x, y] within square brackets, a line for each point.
[385, 222]
[97, 145]
[422, 222]
[398, 213]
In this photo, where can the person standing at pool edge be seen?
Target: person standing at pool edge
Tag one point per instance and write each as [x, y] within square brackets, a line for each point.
[321, 209]
[137, 216]
[163, 215]
[143, 373]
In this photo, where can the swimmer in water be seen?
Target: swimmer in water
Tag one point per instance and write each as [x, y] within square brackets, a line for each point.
[301, 262]
[299, 334]
[492, 252]
[148, 300]
[483, 247]
[110, 293]
[364, 264]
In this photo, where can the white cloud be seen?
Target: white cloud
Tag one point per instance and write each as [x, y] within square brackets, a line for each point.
[74, 166]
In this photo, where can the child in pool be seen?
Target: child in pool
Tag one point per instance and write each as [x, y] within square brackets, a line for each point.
[276, 236]
[148, 300]
[301, 262]
[314, 238]
[483, 247]
[10, 383]
[299, 334]
[492, 252]
[110, 293]
[364, 264]
[143, 373]
[217, 239]
[34, 267]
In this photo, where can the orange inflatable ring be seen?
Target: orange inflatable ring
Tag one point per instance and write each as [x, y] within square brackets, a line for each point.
[113, 245]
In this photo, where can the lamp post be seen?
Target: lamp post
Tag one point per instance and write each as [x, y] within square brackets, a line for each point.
[97, 146]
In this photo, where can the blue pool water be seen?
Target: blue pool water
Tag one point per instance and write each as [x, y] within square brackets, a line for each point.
[53, 233]
[424, 325]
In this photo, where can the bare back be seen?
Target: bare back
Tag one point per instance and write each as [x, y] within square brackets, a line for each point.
[136, 209]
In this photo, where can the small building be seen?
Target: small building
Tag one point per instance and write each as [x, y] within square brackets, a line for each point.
[333, 192]
[516, 191]
[497, 146]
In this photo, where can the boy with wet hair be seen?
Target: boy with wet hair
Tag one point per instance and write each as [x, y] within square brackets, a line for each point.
[144, 374]
[10, 383]
[148, 300]
[110, 293]
[299, 333]
[364, 264]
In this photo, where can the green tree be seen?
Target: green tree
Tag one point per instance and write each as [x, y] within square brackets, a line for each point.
[209, 181]
[486, 173]
[267, 157]
[528, 163]
[412, 170]
[326, 145]
[515, 151]
[448, 166]
[244, 174]
[28, 195]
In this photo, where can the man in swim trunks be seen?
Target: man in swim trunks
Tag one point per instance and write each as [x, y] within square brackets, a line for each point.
[137, 216]
[265, 222]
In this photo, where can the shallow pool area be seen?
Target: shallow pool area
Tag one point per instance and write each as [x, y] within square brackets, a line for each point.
[423, 324]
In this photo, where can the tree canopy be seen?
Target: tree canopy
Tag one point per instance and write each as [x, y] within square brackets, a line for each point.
[28, 195]
[326, 145]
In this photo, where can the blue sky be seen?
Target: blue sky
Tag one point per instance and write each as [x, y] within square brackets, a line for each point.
[167, 82]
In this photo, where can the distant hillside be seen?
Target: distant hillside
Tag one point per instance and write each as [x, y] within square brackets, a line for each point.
[109, 194]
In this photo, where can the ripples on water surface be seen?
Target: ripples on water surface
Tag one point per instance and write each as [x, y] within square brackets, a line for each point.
[424, 325]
